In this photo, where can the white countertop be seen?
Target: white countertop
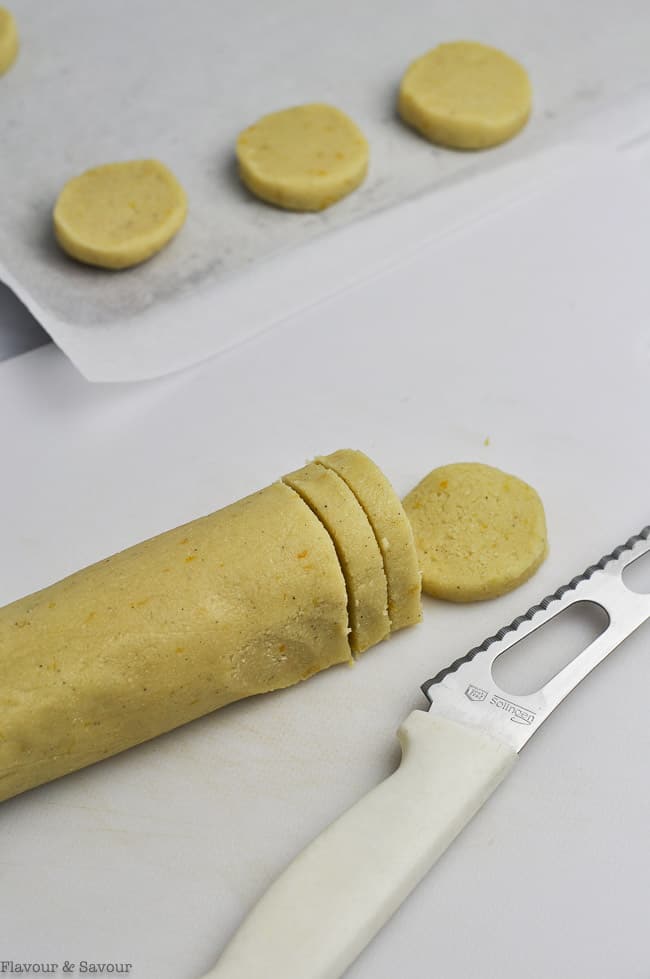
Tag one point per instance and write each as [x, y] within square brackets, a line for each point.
[526, 324]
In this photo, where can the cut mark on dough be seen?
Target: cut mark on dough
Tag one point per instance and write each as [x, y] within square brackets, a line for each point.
[336, 549]
[525, 667]
[381, 541]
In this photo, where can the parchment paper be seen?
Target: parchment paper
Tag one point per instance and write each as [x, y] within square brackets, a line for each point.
[101, 82]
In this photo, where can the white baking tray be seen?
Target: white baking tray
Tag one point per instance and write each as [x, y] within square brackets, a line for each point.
[102, 82]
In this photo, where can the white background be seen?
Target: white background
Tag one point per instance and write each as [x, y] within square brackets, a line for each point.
[513, 307]
[527, 326]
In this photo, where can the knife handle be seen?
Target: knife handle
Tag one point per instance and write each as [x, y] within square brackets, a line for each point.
[335, 896]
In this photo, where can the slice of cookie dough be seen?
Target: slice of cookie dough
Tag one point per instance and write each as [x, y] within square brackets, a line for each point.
[8, 40]
[304, 158]
[479, 532]
[246, 600]
[119, 214]
[465, 95]
[339, 511]
[391, 528]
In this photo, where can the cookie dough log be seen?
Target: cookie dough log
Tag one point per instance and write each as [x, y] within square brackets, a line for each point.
[8, 40]
[479, 532]
[465, 95]
[339, 511]
[303, 158]
[246, 600]
[391, 528]
[119, 214]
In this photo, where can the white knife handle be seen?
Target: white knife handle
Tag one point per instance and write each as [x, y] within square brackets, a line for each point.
[335, 896]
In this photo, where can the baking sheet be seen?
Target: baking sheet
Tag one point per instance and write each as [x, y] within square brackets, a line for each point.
[528, 328]
[96, 83]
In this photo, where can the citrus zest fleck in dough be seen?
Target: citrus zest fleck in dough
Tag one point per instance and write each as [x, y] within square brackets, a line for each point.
[119, 214]
[8, 40]
[304, 158]
[479, 532]
[465, 95]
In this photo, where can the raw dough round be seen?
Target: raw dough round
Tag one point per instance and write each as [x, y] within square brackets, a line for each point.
[119, 214]
[391, 528]
[304, 158]
[339, 511]
[479, 532]
[465, 95]
[8, 40]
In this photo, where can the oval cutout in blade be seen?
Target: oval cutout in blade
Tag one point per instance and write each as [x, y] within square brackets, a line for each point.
[636, 576]
[525, 667]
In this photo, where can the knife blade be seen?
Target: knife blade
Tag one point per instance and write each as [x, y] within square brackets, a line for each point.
[335, 896]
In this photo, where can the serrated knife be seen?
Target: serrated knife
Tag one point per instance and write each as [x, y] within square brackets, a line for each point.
[320, 913]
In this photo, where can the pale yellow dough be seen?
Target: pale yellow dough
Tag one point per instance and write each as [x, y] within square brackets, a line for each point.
[479, 532]
[8, 40]
[119, 214]
[339, 511]
[252, 598]
[391, 528]
[304, 158]
[465, 95]
[244, 601]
